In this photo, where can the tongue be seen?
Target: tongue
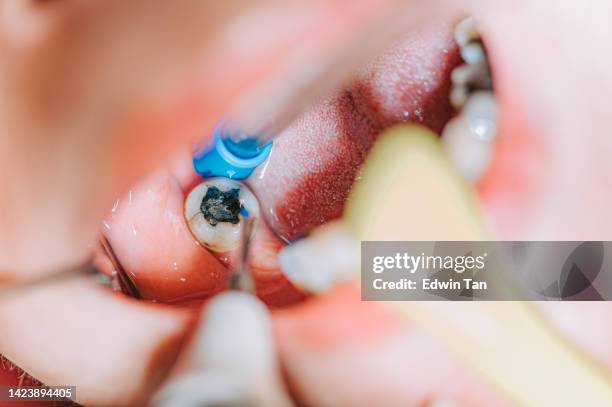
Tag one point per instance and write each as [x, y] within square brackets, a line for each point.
[316, 160]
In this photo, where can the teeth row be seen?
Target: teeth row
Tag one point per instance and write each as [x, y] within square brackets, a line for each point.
[474, 74]
[221, 236]
[466, 31]
[469, 136]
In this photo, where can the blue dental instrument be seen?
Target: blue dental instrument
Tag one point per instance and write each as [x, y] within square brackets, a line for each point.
[231, 154]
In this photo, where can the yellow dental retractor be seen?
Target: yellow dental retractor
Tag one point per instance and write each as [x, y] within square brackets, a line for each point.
[517, 351]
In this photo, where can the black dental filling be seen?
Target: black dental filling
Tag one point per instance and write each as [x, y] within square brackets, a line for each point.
[218, 206]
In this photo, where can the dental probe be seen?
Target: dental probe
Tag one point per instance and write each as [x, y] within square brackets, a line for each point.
[87, 269]
[126, 284]
[241, 278]
[11, 288]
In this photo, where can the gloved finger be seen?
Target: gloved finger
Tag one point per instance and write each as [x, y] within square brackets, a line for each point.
[231, 359]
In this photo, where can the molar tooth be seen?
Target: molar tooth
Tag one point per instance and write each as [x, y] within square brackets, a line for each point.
[465, 78]
[458, 96]
[319, 261]
[469, 137]
[482, 113]
[466, 31]
[217, 233]
[470, 155]
[468, 74]
[473, 53]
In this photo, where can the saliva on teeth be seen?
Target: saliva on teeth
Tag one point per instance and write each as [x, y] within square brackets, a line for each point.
[469, 137]
[214, 210]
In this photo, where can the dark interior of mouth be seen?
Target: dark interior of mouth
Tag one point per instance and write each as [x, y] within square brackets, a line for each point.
[316, 160]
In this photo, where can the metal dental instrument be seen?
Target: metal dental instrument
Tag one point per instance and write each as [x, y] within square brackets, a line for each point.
[125, 282]
[87, 269]
[241, 278]
[10, 288]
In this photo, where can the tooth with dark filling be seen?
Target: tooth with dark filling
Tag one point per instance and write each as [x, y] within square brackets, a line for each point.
[218, 206]
[213, 210]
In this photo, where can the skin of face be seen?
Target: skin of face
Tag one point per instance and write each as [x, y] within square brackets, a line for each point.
[552, 62]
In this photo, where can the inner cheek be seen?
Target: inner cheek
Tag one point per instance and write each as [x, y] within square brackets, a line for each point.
[152, 243]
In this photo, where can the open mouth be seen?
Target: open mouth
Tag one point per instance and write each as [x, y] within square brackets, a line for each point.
[529, 137]
[311, 170]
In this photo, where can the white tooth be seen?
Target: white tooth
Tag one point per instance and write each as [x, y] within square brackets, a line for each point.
[466, 31]
[482, 114]
[461, 74]
[327, 256]
[469, 137]
[458, 96]
[224, 236]
[468, 74]
[473, 53]
[469, 154]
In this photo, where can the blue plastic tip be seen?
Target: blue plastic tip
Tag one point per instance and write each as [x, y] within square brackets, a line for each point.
[226, 158]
